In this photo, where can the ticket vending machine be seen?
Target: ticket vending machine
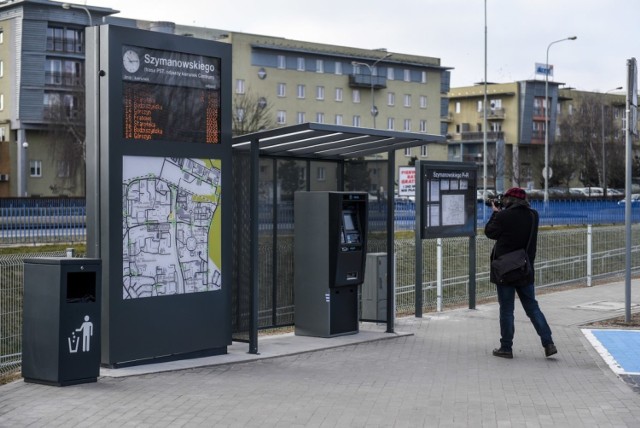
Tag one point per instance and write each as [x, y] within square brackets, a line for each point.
[329, 260]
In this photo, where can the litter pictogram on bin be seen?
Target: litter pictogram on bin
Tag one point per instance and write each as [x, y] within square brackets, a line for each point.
[74, 340]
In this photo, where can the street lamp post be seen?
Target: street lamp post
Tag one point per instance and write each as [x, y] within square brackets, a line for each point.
[68, 6]
[546, 120]
[374, 109]
[604, 158]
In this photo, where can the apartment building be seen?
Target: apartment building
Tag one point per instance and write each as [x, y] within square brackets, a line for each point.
[43, 93]
[515, 132]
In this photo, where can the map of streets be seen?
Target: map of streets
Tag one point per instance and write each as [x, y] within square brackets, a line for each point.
[171, 241]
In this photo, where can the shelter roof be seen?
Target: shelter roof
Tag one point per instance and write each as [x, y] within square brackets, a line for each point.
[330, 142]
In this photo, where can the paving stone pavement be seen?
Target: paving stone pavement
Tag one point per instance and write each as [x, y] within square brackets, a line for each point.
[442, 374]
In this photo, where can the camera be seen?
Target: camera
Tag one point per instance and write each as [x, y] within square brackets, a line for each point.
[497, 201]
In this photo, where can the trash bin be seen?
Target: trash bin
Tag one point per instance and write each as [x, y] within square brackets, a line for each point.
[374, 288]
[61, 321]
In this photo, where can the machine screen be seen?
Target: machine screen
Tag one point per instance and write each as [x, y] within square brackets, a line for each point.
[350, 232]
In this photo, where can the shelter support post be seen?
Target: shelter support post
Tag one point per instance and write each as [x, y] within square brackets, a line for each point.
[253, 210]
[391, 302]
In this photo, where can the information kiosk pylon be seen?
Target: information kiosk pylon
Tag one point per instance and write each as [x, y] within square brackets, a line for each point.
[158, 162]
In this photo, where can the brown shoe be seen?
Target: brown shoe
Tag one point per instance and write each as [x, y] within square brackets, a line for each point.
[550, 350]
[502, 353]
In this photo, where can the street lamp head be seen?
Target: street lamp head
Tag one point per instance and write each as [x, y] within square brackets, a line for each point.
[572, 38]
[66, 6]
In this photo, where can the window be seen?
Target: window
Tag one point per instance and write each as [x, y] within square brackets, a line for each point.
[458, 128]
[407, 125]
[407, 75]
[1, 68]
[355, 96]
[458, 107]
[497, 103]
[55, 36]
[282, 90]
[423, 101]
[407, 152]
[321, 174]
[35, 168]
[58, 106]
[390, 73]
[3, 133]
[1, 102]
[339, 92]
[301, 117]
[319, 66]
[320, 117]
[301, 91]
[480, 105]
[282, 62]
[281, 117]
[60, 39]
[301, 64]
[391, 99]
[240, 114]
[1, 36]
[338, 67]
[407, 100]
[424, 151]
[240, 86]
[391, 123]
[357, 121]
[63, 169]
[423, 77]
[320, 93]
[73, 40]
[59, 72]
[53, 72]
[338, 119]
[423, 125]
[71, 106]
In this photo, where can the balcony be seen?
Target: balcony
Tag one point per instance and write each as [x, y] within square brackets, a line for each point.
[365, 80]
[447, 118]
[479, 136]
[493, 114]
[539, 113]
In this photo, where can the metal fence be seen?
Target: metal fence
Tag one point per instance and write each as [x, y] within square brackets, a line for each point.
[11, 291]
[562, 258]
[52, 220]
[42, 220]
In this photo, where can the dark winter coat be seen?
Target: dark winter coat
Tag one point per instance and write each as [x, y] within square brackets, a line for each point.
[510, 228]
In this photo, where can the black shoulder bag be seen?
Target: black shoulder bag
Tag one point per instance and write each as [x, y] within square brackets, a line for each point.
[514, 266]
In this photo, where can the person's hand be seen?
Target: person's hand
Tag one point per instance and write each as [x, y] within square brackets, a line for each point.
[494, 208]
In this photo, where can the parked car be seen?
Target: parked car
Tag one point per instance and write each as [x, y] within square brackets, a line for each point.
[635, 199]
[592, 192]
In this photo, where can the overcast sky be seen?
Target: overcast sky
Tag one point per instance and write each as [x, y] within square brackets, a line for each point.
[518, 31]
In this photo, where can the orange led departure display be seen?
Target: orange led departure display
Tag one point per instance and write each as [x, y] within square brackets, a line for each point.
[169, 96]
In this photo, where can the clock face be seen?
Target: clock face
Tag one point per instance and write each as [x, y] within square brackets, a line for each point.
[131, 61]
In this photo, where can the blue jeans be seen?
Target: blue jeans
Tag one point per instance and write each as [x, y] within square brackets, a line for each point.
[527, 296]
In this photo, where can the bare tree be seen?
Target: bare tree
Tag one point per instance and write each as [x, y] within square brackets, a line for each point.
[66, 116]
[580, 146]
[251, 113]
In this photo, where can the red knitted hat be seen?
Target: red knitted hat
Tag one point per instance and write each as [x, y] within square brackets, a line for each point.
[516, 192]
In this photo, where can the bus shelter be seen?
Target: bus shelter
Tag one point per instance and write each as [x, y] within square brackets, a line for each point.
[262, 162]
